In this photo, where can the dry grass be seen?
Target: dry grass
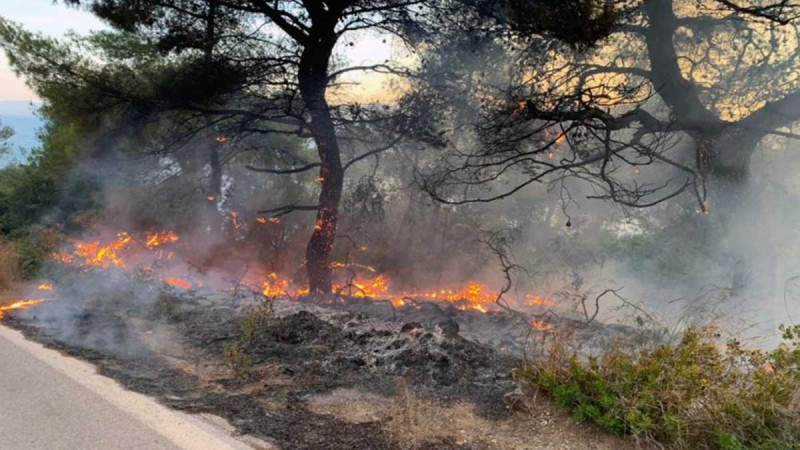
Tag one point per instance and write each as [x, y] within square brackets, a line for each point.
[9, 267]
[415, 422]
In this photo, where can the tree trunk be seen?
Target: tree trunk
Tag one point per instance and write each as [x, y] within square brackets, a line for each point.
[313, 78]
[214, 188]
[726, 157]
[214, 142]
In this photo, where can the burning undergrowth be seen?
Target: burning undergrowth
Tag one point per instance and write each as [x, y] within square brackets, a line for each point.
[264, 364]
[250, 347]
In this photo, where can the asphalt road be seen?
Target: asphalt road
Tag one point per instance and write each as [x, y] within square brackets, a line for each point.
[49, 401]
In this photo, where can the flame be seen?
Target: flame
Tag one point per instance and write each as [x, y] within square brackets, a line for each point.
[341, 265]
[268, 220]
[178, 282]
[221, 139]
[473, 296]
[377, 287]
[18, 305]
[112, 254]
[538, 300]
[45, 287]
[561, 138]
[94, 254]
[211, 198]
[158, 239]
[541, 325]
[235, 219]
[275, 286]
[359, 281]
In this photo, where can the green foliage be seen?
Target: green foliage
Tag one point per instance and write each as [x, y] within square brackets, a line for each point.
[240, 354]
[694, 394]
[46, 197]
[239, 359]
[5, 135]
[255, 321]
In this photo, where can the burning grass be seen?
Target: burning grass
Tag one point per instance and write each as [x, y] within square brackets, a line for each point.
[18, 305]
[160, 252]
[239, 354]
[693, 394]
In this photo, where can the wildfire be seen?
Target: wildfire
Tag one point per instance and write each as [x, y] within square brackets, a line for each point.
[367, 283]
[473, 296]
[178, 282]
[377, 287]
[94, 254]
[18, 305]
[158, 239]
[341, 265]
[538, 300]
[114, 253]
[541, 325]
[45, 287]
[275, 286]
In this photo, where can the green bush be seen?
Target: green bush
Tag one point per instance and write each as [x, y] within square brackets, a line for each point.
[694, 394]
[251, 328]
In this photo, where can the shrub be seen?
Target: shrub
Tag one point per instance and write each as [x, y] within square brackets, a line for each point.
[251, 330]
[693, 394]
[9, 273]
[239, 359]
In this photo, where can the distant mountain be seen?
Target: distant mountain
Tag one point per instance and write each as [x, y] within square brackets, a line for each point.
[19, 116]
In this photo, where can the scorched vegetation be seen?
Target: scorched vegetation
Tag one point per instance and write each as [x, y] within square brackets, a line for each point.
[346, 223]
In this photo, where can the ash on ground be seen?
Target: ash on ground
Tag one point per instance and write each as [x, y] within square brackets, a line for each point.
[302, 375]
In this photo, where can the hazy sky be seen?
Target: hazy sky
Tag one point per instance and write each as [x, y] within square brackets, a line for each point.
[54, 19]
[44, 16]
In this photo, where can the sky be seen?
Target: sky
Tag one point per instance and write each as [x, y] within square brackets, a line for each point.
[46, 17]
[54, 19]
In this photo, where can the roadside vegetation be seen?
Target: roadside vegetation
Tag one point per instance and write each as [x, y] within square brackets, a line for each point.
[45, 199]
[694, 393]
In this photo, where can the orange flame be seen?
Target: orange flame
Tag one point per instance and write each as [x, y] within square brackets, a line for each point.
[45, 287]
[178, 282]
[158, 239]
[18, 305]
[538, 300]
[541, 325]
[94, 254]
[473, 295]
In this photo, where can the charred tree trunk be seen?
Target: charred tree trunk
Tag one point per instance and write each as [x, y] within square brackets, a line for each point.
[214, 187]
[726, 159]
[214, 142]
[313, 79]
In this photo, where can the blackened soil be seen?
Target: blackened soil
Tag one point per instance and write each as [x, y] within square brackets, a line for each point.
[311, 350]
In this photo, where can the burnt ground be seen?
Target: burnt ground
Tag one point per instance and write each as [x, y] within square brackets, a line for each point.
[301, 375]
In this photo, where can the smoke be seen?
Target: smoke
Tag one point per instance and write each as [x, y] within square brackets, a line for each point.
[672, 260]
